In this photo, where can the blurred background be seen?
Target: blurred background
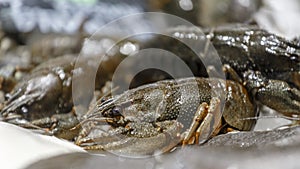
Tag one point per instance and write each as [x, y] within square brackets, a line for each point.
[66, 16]
[32, 31]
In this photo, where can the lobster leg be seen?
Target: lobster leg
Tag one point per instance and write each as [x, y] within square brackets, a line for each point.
[279, 96]
[204, 123]
[60, 125]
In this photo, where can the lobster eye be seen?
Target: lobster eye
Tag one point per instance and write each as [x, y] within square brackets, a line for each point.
[116, 111]
[102, 100]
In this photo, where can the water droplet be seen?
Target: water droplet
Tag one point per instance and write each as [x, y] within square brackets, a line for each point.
[128, 48]
[186, 5]
[24, 110]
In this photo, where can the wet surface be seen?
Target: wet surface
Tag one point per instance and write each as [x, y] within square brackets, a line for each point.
[257, 139]
[269, 149]
[255, 149]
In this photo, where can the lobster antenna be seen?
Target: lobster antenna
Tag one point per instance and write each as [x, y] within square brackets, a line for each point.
[269, 117]
[107, 94]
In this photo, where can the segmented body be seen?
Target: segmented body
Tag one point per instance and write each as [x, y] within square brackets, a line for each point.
[47, 90]
[137, 111]
[251, 48]
[243, 47]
